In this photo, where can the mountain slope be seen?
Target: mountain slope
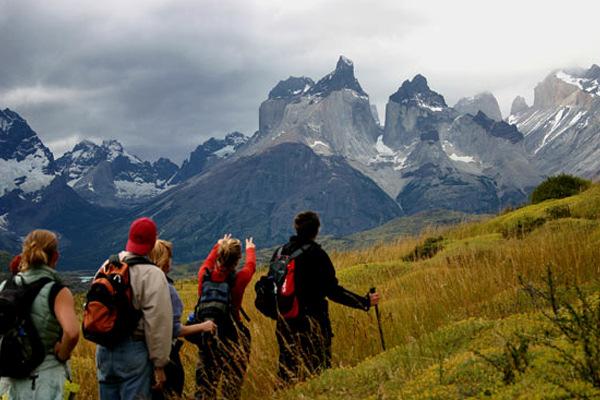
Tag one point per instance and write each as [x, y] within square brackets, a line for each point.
[438, 314]
[259, 196]
[561, 127]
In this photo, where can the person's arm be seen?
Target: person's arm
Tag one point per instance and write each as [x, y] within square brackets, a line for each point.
[64, 309]
[207, 326]
[335, 292]
[243, 277]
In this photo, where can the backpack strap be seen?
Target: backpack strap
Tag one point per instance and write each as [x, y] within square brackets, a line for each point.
[56, 287]
[300, 251]
[33, 289]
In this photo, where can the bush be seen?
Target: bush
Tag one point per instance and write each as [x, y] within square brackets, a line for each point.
[522, 227]
[578, 323]
[428, 249]
[558, 212]
[558, 187]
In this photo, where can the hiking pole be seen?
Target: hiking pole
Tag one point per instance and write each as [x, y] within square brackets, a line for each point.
[372, 290]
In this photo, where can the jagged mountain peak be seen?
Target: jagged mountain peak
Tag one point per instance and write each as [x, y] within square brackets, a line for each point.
[341, 78]
[291, 87]
[417, 92]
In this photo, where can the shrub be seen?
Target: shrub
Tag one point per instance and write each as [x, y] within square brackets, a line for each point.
[513, 361]
[558, 187]
[578, 323]
[522, 227]
[557, 212]
[428, 249]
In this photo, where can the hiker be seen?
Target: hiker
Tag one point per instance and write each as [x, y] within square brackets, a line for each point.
[220, 292]
[53, 316]
[161, 255]
[126, 367]
[305, 339]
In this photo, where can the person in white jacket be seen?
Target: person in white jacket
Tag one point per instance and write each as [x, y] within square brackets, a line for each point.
[126, 370]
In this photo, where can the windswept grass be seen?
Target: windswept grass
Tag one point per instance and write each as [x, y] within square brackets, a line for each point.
[437, 313]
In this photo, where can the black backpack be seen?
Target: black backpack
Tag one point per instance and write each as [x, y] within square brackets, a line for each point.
[275, 292]
[21, 348]
[215, 302]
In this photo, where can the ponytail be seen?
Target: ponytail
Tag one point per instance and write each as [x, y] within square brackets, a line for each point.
[229, 253]
[39, 247]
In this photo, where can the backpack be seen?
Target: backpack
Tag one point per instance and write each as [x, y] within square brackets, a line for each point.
[21, 347]
[108, 315]
[215, 301]
[276, 291]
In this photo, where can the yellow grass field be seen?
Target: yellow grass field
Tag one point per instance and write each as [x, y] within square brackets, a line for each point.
[437, 313]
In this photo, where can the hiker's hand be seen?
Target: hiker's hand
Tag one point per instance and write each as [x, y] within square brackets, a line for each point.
[57, 353]
[226, 237]
[374, 298]
[159, 378]
[250, 243]
[209, 326]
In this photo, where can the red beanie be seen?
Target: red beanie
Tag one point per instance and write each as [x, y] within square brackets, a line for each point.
[142, 236]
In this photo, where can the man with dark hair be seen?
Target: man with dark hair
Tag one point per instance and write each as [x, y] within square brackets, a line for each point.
[305, 340]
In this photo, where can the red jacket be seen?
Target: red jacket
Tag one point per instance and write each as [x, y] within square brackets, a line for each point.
[242, 277]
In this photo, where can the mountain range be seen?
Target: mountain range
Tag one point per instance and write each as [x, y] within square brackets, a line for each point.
[319, 146]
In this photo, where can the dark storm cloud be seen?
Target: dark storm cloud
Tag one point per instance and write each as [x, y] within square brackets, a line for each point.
[163, 76]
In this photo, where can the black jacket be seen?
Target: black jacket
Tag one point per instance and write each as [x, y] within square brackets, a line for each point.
[315, 281]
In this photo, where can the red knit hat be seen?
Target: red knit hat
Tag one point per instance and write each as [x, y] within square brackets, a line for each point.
[142, 236]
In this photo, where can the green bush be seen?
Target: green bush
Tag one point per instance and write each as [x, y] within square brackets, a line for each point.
[558, 212]
[522, 227]
[428, 249]
[558, 187]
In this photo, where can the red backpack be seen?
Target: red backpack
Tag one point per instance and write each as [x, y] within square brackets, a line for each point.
[276, 292]
[109, 316]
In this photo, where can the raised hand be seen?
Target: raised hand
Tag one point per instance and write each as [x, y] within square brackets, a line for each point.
[226, 237]
[250, 243]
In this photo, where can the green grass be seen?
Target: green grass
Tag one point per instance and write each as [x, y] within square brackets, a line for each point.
[443, 317]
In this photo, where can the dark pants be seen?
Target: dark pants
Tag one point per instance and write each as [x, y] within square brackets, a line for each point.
[304, 347]
[223, 360]
[174, 373]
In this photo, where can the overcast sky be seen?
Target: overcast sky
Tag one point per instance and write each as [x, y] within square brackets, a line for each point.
[163, 76]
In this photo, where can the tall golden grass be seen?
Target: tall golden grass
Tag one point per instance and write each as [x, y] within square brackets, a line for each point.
[476, 275]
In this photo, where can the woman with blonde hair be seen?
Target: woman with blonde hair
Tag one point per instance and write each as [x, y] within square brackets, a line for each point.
[162, 255]
[224, 358]
[53, 316]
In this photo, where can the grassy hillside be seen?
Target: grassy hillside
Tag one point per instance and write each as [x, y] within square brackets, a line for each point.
[458, 324]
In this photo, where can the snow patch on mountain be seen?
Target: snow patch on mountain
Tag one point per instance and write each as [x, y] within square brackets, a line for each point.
[4, 222]
[133, 190]
[27, 175]
[225, 151]
[590, 86]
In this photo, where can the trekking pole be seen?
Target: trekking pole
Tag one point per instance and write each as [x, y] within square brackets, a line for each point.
[373, 290]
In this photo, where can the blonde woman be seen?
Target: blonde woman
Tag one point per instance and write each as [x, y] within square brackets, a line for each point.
[162, 255]
[220, 292]
[53, 315]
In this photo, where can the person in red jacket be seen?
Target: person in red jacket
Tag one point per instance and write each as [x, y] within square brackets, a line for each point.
[220, 292]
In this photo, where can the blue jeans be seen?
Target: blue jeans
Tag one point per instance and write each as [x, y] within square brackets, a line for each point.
[125, 371]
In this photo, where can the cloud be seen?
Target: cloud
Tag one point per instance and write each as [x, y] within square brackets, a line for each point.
[163, 76]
